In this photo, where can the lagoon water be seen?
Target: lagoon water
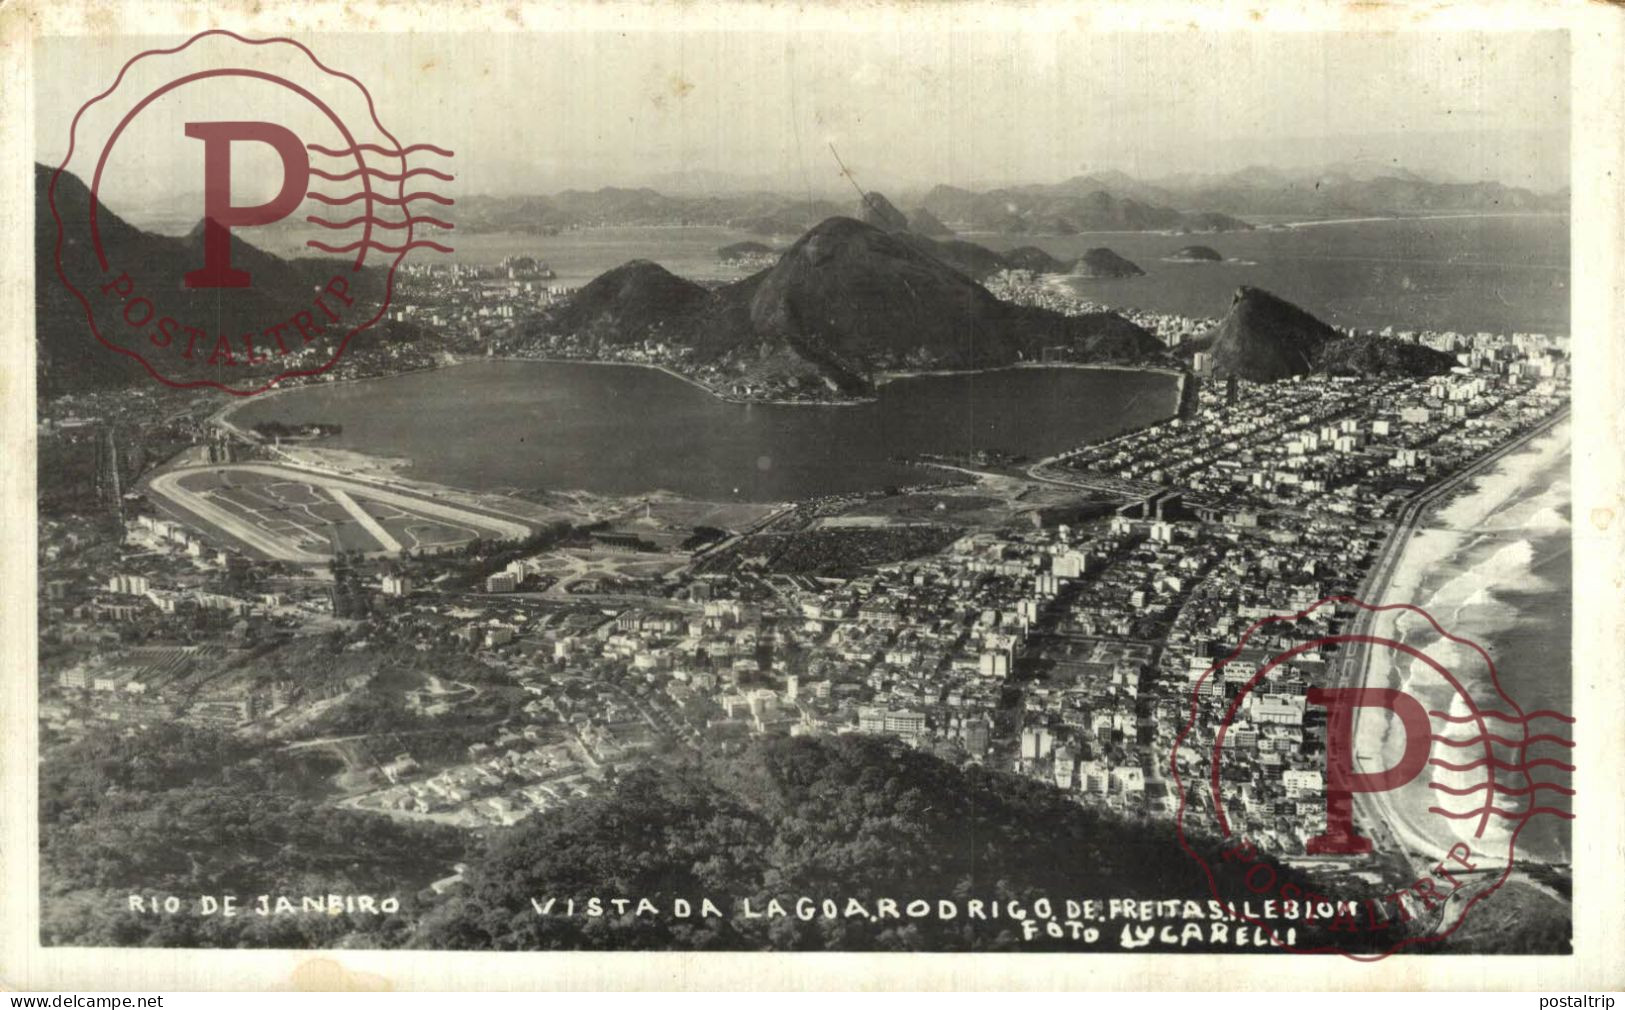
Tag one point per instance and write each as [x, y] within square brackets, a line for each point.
[626, 429]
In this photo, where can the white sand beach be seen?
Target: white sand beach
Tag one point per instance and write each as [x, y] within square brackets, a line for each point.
[1490, 565]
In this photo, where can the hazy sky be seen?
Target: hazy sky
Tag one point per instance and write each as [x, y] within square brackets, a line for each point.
[541, 112]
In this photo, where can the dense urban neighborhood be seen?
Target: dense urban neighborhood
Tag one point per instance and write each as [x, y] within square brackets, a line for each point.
[1061, 642]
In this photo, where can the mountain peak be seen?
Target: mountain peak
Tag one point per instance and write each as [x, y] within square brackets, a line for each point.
[1265, 337]
[875, 209]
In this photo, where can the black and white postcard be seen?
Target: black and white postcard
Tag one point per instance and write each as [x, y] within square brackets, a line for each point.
[1131, 484]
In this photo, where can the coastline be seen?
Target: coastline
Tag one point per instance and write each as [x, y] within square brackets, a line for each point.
[882, 378]
[1267, 225]
[697, 384]
[222, 417]
[1470, 215]
[1451, 564]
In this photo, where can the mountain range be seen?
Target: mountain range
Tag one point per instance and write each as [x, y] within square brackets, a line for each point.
[1105, 200]
[1098, 201]
[69, 357]
[1084, 203]
[845, 300]
[1336, 191]
[1065, 208]
[757, 213]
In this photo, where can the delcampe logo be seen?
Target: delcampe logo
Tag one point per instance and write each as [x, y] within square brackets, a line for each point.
[256, 292]
[1426, 775]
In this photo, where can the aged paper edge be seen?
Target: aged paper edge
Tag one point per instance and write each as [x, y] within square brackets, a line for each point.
[1597, 33]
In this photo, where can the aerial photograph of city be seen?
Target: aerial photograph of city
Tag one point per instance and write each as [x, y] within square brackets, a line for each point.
[868, 492]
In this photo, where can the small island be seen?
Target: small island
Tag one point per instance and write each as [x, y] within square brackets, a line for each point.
[1196, 254]
[747, 254]
[1034, 259]
[1104, 263]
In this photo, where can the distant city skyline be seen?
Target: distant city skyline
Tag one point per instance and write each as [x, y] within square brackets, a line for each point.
[758, 110]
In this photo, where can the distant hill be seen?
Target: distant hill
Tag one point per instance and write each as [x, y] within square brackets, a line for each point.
[1197, 254]
[847, 299]
[1263, 338]
[739, 250]
[1081, 204]
[923, 222]
[1104, 263]
[611, 206]
[636, 297]
[1343, 191]
[974, 261]
[1101, 201]
[785, 218]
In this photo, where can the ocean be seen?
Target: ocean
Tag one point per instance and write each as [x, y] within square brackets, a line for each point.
[1497, 274]
[1494, 566]
[1500, 274]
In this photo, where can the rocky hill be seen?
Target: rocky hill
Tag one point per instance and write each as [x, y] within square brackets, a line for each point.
[1368, 355]
[977, 262]
[867, 297]
[1263, 338]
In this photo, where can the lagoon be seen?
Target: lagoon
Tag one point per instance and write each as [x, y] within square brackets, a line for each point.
[626, 429]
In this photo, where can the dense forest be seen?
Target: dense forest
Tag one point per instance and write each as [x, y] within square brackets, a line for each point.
[846, 818]
[854, 817]
[190, 812]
